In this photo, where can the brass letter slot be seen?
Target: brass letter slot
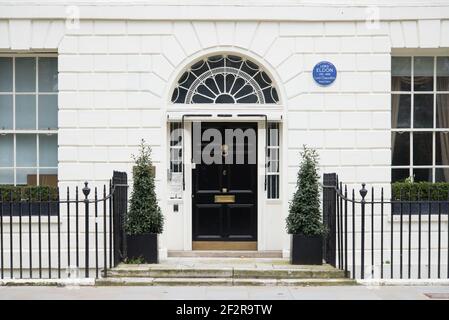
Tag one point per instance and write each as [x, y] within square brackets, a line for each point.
[224, 198]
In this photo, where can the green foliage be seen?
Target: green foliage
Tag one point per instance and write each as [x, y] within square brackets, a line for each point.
[25, 193]
[144, 214]
[305, 211]
[411, 191]
[138, 260]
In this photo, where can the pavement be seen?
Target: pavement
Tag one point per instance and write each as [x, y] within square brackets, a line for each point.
[225, 293]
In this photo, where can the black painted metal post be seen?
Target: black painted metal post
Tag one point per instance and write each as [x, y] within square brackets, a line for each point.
[96, 233]
[419, 234]
[59, 231]
[11, 254]
[329, 217]
[1, 237]
[346, 231]
[429, 235]
[77, 227]
[353, 234]
[49, 233]
[68, 227]
[111, 215]
[86, 191]
[382, 233]
[409, 236]
[372, 231]
[30, 250]
[439, 238]
[105, 266]
[20, 238]
[40, 233]
[401, 229]
[337, 201]
[363, 193]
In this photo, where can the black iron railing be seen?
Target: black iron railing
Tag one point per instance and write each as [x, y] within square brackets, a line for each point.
[373, 237]
[42, 236]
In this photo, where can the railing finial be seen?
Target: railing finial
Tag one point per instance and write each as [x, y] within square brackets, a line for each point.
[363, 191]
[86, 190]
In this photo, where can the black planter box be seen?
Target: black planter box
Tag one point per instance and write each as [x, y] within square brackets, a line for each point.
[420, 207]
[24, 208]
[142, 246]
[306, 249]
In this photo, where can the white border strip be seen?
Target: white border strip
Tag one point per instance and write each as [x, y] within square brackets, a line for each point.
[272, 11]
[404, 282]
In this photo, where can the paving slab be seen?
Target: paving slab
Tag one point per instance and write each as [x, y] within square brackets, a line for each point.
[223, 293]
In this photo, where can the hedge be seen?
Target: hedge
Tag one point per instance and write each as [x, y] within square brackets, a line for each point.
[25, 193]
[412, 191]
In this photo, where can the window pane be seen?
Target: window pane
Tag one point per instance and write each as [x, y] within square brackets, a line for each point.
[442, 148]
[399, 174]
[175, 134]
[442, 175]
[48, 75]
[401, 111]
[443, 73]
[442, 111]
[48, 177]
[423, 73]
[6, 112]
[273, 160]
[422, 148]
[423, 111]
[6, 150]
[273, 131]
[6, 75]
[401, 73]
[273, 187]
[400, 152]
[26, 177]
[25, 74]
[26, 150]
[48, 112]
[48, 150]
[25, 112]
[422, 175]
[6, 176]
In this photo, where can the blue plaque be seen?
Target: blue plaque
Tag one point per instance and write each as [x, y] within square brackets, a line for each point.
[324, 73]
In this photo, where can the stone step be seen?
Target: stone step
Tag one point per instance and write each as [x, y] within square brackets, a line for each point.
[226, 273]
[224, 254]
[124, 281]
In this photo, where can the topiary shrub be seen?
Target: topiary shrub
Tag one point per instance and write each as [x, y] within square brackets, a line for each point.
[144, 214]
[305, 210]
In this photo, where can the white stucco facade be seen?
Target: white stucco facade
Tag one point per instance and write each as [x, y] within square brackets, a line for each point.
[119, 63]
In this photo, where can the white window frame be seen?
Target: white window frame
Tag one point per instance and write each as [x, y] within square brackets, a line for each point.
[412, 130]
[176, 147]
[278, 149]
[36, 132]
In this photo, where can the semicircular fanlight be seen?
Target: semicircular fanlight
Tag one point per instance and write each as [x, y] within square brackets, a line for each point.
[225, 79]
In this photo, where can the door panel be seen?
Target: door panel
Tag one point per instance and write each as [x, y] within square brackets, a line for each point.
[230, 220]
[208, 222]
[240, 221]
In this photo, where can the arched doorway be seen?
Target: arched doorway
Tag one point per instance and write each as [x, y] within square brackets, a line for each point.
[224, 195]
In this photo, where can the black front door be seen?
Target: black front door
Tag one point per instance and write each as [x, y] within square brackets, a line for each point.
[224, 197]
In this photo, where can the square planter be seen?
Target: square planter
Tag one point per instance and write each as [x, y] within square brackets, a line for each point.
[23, 208]
[306, 249]
[142, 246]
[423, 207]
